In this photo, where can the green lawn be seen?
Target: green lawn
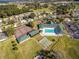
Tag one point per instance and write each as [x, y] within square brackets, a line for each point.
[26, 50]
[64, 44]
[73, 53]
[43, 9]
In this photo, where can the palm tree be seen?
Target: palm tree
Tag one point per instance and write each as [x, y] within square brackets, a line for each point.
[14, 48]
[10, 30]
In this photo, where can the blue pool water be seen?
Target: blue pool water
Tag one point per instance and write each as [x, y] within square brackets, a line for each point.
[49, 30]
[56, 30]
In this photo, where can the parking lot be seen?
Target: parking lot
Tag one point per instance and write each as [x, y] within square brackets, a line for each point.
[73, 29]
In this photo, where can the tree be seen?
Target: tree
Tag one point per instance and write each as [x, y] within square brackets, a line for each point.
[52, 8]
[3, 14]
[24, 9]
[9, 10]
[63, 9]
[10, 30]
[45, 6]
[37, 5]
[32, 15]
[48, 54]
[15, 48]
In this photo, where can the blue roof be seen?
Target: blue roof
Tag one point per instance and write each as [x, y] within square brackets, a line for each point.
[22, 38]
[34, 32]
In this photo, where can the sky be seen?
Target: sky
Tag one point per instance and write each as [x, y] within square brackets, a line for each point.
[7, 0]
[15, 0]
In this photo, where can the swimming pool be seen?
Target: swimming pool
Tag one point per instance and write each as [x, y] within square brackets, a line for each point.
[49, 30]
[52, 30]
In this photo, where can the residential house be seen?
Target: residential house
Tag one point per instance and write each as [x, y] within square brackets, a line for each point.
[21, 17]
[16, 18]
[1, 22]
[1, 30]
[75, 13]
[3, 36]
[6, 20]
[67, 19]
[23, 22]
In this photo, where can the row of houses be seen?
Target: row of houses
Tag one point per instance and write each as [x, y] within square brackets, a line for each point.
[25, 18]
[23, 32]
[6, 22]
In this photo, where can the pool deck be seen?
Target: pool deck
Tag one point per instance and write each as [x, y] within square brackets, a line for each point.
[50, 32]
[44, 34]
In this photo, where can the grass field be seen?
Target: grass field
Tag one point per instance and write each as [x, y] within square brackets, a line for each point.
[27, 50]
[64, 44]
[42, 10]
[73, 53]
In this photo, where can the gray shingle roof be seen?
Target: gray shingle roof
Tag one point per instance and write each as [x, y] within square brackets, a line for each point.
[3, 36]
